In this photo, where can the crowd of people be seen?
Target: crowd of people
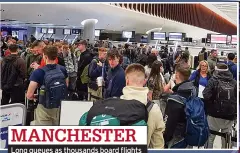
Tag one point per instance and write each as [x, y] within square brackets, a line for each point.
[46, 72]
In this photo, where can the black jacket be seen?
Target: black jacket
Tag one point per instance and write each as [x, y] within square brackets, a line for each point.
[210, 92]
[95, 71]
[115, 82]
[20, 67]
[85, 58]
[175, 117]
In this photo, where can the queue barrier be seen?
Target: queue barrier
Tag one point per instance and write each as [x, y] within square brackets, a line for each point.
[72, 111]
[11, 115]
[228, 138]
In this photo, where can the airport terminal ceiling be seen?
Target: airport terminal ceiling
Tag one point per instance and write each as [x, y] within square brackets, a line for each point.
[110, 17]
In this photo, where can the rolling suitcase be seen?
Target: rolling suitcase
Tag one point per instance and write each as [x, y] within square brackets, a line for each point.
[31, 106]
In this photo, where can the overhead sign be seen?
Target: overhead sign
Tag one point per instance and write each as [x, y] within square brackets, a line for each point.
[219, 39]
[76, 31]
[44, 30]
[234, 39]
[175, 36]
[67, 31]
[159, 35]
[97, 33]
[127, 34]
[51, 31]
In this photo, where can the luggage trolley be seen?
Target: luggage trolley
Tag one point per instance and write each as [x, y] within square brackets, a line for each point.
[11, 115]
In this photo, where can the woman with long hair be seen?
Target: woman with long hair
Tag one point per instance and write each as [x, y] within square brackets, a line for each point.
[156, 82]
[150, 59]
[201, 76]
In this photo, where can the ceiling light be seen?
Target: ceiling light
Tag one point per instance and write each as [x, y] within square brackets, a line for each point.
[67, 19]
[39, 15]
[89, 20]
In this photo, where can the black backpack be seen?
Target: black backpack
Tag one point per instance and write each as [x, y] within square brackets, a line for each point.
[9, 73]
[115, 111]
[226, 99]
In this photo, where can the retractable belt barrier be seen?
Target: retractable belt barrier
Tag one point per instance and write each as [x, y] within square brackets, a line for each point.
[11, 115]
[228, 138]
[234, 139]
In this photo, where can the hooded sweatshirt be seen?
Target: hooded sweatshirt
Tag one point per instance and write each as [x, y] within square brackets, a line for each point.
[210, 92]
[156, 125]
[20, 66]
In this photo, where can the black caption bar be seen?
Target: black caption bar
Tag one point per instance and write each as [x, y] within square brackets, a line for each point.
[77, 149]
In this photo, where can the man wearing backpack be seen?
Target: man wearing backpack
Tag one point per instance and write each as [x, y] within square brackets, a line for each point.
[220, 97]
[183, 130]
[13, 74]
[231, 65]
[135, 81]
[53, 82]
[82, 74]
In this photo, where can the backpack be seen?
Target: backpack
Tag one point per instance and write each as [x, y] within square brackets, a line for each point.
[197, 129]
[54, 88]
[226, 100]
[9, 73]
[85, 79]
[117, 112]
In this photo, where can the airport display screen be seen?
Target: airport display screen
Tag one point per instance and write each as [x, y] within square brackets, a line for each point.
[76, 31]
[175, 36]
[144, 38]
[229, 40]
[51, 30]
[127, 34]
[159, 35]
[44, 30]
[219, 39]
[97, 33]
[234, 39]
[67, 31]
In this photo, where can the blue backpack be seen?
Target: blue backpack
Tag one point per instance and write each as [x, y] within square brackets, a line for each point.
[54, 88]
[197, 129]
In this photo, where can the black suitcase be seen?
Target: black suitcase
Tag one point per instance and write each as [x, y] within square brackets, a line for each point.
[30, 105]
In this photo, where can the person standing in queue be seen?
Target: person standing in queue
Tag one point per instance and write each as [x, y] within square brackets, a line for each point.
[13, 73]
[85, 59]
[135, 81]
[97, 73]
[116, 76]
[200, 77]
[231, 65]
[212, 60]
[53, 81]
[38, 46]
[220, 97]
